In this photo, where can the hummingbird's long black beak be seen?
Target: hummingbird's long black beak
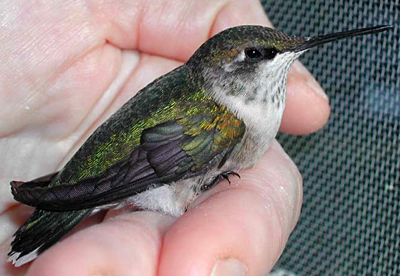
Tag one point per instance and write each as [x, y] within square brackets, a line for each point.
[318, 40]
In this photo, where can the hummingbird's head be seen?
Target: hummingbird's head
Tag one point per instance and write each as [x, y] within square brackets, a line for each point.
[245, 65]
[246, 62]
[251, 63]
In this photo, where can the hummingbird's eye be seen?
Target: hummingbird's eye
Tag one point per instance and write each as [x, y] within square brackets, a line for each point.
[253, 54]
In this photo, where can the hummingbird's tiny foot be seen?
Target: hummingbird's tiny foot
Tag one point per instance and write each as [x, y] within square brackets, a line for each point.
[224, 175]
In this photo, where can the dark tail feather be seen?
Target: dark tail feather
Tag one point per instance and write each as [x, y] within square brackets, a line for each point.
[42, 230]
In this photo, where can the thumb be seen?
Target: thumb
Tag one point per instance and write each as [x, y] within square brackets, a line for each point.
[239, 229]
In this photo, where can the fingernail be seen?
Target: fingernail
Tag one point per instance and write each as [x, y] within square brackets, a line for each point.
[229, 267]
[309, 79]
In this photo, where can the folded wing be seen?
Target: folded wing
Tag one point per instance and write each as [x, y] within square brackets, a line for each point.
[168, 152]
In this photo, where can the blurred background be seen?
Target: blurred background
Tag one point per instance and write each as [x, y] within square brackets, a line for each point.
[350, 221]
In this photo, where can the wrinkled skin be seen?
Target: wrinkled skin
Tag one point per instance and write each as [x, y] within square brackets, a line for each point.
[66, 66]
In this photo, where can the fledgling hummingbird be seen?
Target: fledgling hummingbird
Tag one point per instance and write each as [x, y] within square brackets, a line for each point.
[177, 137]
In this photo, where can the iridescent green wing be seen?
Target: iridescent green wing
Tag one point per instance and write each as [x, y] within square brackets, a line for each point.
[168, 152]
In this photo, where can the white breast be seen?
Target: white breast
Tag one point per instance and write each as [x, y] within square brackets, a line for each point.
[259, 103]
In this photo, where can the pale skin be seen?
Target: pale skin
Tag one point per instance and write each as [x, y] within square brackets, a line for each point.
[66, 66]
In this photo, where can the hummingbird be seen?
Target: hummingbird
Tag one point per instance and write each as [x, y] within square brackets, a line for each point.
[179, 136]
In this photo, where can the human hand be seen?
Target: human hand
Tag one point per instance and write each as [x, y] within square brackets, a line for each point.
[67, 66]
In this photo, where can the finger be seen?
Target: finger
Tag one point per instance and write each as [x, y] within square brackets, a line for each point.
[307, 106]
[240, 228]
[168, 28]
[172, 28]
[128, 244]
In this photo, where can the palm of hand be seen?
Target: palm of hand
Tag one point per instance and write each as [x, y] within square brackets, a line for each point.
[66, 68]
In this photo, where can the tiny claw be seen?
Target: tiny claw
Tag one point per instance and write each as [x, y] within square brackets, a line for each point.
[235, 173]
[226, 175]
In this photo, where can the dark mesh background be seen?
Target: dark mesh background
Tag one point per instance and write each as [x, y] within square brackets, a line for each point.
[350, 219]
